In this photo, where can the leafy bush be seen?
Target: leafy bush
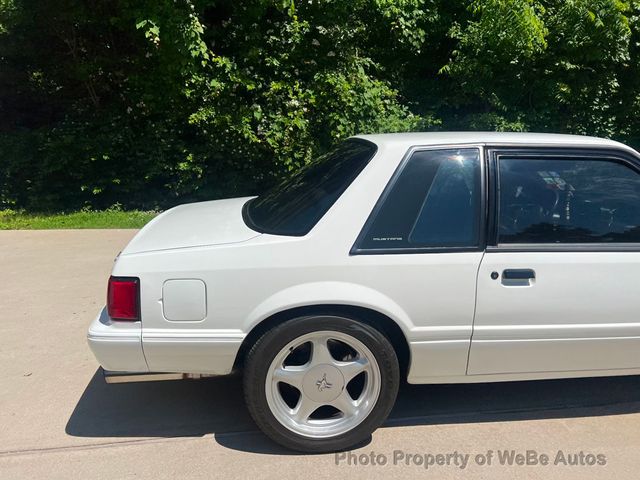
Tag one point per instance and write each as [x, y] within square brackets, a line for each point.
[149, 103]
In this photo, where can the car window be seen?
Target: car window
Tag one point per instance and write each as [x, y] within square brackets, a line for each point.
[295, 205]
[434, 202]
[568, 201]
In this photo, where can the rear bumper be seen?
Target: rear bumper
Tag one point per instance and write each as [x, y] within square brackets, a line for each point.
[117, 345]
[126, 354]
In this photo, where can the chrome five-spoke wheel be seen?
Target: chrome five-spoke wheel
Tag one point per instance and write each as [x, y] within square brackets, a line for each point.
[321, 383]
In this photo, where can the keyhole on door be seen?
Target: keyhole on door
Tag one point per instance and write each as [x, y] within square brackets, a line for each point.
[494, 275]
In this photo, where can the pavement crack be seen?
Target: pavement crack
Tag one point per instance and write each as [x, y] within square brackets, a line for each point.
[92, 446]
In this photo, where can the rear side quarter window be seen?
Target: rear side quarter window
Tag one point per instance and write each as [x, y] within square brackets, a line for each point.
[433, 202]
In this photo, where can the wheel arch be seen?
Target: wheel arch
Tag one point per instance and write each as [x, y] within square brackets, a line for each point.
[383, 323]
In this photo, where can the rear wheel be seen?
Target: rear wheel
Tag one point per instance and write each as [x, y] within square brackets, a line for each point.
[320, 384]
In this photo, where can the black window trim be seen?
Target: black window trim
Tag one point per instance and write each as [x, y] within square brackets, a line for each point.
[356, 249]
[493, 154]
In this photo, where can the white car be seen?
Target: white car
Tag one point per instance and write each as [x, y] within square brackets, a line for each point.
[430, 257]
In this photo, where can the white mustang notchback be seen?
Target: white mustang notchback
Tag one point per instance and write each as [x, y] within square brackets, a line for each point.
[433, 257]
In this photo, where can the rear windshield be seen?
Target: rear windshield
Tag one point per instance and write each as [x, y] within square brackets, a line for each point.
[295, 205]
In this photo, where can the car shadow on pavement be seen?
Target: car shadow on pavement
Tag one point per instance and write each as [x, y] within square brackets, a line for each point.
[193, 408]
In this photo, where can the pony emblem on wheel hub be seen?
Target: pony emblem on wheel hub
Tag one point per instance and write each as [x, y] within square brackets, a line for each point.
[323, 383]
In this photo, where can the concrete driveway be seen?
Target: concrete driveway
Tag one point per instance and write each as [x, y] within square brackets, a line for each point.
[58, 419]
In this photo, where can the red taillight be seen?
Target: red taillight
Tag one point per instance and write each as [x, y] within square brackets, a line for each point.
[123, 298]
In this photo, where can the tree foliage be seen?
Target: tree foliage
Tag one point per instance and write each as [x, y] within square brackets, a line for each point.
[148, 103]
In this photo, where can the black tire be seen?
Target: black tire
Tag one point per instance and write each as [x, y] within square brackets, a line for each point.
[261, 355]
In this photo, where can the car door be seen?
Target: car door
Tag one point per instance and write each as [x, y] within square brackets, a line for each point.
[559, 285]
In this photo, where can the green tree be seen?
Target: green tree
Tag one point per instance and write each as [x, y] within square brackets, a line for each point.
[148, 103]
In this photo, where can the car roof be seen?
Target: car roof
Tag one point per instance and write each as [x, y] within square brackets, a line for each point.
[489, 138]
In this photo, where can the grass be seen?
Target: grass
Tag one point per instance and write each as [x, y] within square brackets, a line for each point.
[111, 218]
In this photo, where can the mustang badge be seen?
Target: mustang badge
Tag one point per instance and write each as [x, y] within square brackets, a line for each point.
[322, 383]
